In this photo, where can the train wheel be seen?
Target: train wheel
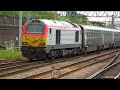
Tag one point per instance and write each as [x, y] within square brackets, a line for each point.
[98, 49]
[84, 51]
[45, 57]
[110, 46]
[70, 55]
[38, 59]
[113, 45]
[30, 59]
[53, 58]
[80, 52]
[102, 47]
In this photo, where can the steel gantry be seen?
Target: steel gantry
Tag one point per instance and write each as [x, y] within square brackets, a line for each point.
[100, 13]
[109, 17]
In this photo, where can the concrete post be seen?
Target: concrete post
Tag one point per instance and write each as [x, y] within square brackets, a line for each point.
[20, 28]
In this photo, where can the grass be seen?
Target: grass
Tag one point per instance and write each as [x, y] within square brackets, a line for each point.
[8, 55]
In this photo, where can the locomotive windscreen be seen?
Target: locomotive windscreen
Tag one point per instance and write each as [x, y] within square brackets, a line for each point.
[35, 27]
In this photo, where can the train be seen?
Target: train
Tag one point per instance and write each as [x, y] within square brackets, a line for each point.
[48, 39]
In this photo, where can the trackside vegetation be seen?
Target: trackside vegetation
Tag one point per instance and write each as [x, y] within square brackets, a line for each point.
[8, 55]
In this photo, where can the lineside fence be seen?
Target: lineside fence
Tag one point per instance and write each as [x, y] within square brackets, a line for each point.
[9, 45]
[10, 20]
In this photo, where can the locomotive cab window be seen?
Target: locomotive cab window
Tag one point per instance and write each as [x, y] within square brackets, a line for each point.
[76, 36]
[35, 27]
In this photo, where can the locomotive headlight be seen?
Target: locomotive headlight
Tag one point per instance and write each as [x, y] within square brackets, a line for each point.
[24, 43]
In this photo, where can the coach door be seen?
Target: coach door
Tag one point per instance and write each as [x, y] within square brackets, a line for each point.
[58, 36]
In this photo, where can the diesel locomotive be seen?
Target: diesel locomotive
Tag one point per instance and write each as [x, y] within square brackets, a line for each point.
[42, 38]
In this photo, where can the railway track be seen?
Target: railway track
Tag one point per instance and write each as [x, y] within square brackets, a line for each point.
[4, 64]
[13, 64]
[20, 63]
[111, 70]
[118, 76]
[68, 69]
[20, 68]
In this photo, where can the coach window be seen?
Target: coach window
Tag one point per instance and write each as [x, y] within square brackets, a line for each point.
[91, 33]
[118, 35]
[96, 33]
[87, 35]
[76, 36]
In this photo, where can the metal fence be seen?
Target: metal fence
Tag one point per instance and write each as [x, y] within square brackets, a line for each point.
[8, 45]
[9, 20]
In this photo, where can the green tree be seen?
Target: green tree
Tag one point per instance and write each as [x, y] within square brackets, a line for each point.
[76, 17]
[71, 16]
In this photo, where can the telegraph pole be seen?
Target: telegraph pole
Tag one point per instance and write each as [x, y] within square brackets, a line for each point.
[20, 28]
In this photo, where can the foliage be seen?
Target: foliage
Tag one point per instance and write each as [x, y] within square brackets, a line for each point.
[44, 15]
[76, 17]
[72, 16]
[4, 54]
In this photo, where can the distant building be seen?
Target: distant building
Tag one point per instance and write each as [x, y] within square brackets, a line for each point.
[94, 23]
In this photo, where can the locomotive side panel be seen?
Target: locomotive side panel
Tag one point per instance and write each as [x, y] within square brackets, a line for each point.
[66, 39]
[69, 36]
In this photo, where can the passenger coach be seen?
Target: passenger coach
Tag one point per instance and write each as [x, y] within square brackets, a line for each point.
[97, 38]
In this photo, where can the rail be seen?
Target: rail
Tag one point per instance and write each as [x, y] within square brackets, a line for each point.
[74, 67]
[110, 64]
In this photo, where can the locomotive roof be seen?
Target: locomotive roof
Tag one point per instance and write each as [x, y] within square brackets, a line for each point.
[99, 28]
[56, 23]
[73, 25]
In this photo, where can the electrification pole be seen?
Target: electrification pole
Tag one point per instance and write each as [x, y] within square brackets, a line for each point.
[28, 15]
[20, 28]
[33, 14]
[113, 21]
[55, 15]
